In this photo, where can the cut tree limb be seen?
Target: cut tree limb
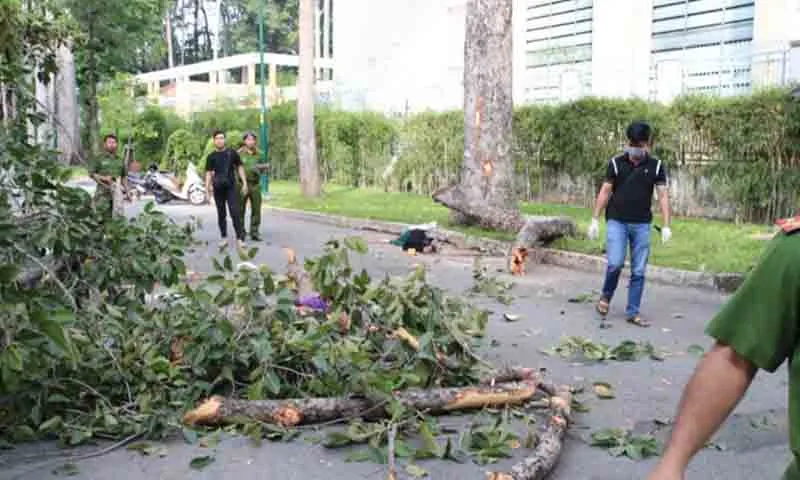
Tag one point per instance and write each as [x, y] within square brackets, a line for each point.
[545, 457]
[534, 231]
[308, 411]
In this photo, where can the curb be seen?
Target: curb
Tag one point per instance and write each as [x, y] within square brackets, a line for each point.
[722, 282]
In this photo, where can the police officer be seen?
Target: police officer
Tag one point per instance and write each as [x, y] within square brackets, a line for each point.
[105, 169]
[250, 156]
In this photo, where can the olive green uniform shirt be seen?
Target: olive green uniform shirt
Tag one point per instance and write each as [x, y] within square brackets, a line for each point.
[761, 322]
[107, 165]
[249, 161]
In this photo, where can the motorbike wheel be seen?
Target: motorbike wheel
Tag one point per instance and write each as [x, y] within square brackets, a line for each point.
[197, 196]
[162, 197]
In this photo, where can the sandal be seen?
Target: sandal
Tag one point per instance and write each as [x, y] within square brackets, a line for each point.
[638, 321]
[602, 307]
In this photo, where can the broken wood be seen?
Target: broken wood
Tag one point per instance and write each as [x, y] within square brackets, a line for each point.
[547, 452]
[299, 278]
[533, 231]
[307, 411]
[513, 374]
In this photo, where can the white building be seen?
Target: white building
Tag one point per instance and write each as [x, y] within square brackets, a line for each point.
[407, 55]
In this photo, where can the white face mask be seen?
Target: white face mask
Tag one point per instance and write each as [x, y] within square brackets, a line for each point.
[636, 152]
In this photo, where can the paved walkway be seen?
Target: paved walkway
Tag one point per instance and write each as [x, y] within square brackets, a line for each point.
[752, 444]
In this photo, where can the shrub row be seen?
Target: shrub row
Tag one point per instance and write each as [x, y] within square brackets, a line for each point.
[747, 145]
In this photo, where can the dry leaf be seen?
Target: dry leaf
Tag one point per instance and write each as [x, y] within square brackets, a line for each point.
[603, 390]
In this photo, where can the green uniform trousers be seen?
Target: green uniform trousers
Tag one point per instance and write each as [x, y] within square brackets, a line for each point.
[253, 197]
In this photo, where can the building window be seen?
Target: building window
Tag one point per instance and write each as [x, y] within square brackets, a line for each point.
[711, 40]
[558, 43]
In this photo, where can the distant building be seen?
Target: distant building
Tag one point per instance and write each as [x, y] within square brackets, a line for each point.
[402, 56]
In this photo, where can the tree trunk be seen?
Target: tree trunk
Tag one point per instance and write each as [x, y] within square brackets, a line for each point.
[488, 171]
[551, 441]
[168, 34]
[67, 116]
[308, 411]
[306, 136]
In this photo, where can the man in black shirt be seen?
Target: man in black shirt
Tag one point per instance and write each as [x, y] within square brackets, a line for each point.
[628, 193]
[221, 167]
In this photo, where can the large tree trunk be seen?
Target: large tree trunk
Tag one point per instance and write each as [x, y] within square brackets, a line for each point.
[488, 171]
[306, 136]
[308, 411]
[67, 116]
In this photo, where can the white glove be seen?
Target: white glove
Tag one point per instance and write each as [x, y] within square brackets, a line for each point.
[594, 229]
[666, 234]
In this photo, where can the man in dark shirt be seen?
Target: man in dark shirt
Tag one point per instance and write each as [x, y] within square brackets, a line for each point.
[628, 193]
[221, 167]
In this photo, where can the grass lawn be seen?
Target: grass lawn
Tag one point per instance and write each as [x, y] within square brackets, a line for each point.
[700, 245]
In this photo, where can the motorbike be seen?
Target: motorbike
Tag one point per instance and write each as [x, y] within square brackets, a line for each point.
[165, 186]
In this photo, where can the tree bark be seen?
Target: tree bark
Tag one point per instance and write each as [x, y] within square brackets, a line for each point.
[308, 411]
[551, 441]
[66, 106]
[487, 172]
[306, 136]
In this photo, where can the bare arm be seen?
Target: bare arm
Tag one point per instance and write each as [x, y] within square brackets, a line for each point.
[602, 199]
[208, 181]
[716, 387]
[243, 177]
[663, 201]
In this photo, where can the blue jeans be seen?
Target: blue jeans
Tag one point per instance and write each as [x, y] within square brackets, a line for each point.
[618, 236]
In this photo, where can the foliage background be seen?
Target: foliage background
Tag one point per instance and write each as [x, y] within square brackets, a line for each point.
[747, 146]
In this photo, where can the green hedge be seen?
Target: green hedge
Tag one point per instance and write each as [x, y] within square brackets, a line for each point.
[748, 145]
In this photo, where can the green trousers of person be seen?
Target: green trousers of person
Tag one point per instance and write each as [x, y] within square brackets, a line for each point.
[253, 197]
[104, 203]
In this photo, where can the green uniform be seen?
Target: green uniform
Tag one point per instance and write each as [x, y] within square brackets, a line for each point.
[249, 161]
[107, 165]
[761, 322]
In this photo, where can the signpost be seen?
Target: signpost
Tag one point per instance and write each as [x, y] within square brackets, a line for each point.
[264, 177]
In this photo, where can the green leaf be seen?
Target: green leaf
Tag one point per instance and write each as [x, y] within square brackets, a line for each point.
[228, 264]
[272, 382]
[51, 424]
[55, 332]
[416, 471]
[696, 350]
[337, 440]
[363, 455]
[67, 470]
[357, 245]
[189, 436]
[8, 272]
[199, 463]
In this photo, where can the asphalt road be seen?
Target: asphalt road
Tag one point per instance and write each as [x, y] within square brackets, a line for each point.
[752, 445]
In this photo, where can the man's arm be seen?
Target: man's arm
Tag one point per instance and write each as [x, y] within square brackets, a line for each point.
[602, 199]
[663, 202]
[716, 387]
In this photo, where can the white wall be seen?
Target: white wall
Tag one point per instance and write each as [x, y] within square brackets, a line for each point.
[621, 43]
[398, 54]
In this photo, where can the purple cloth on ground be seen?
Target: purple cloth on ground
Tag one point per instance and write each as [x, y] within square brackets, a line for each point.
[314, 302]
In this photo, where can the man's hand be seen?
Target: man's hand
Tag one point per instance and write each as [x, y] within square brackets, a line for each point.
[594, 229]
[666, 234]
[244, 189]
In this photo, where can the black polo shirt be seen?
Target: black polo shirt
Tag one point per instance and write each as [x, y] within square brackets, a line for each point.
[632, 194]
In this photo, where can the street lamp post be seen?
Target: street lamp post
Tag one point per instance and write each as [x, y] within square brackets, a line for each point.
[264, 177]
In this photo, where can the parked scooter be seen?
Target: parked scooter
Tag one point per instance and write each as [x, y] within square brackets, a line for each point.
[165, 186]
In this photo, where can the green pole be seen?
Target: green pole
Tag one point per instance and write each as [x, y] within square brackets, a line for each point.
[264, 177]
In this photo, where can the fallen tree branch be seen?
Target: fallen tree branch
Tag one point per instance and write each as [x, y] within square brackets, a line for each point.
[304, 411]
[512, 374]
[545, 457]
